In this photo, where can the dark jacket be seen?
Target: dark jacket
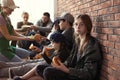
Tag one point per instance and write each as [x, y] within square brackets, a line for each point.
[62, 54]
[89, 64]
[69, 37]
[20, 24]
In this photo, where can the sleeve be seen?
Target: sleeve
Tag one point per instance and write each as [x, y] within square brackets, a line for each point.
[90, 68]
[63, 55]
[19, 25]
[2, 20]
[46, 58]
[45, 29]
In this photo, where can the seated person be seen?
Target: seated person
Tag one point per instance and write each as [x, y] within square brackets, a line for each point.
[66, 23]
[61, 51]
[84, 62]
[44, 25]
[21, 24]
[26, 44]
[25, 17]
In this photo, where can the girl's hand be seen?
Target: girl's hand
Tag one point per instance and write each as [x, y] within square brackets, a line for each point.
[61, 67]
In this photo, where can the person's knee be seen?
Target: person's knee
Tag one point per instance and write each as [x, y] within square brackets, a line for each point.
[48, 72]
[39, 70]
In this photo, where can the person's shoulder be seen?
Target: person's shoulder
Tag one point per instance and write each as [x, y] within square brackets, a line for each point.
[20, 22]
[1, 17]
[40, 20]
[94, 42]
[50, 21]
[2, 20]
[30, 23]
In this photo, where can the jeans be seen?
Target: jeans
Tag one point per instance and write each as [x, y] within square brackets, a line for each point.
[19, 55]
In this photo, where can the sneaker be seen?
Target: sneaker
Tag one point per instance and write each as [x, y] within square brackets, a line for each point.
[17, 78]
[11, 73]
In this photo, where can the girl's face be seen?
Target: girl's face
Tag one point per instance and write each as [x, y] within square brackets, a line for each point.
[55, 45]
[80, 27]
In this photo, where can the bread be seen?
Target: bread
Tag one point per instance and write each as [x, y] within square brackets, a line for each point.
[56, 60]
[37, 37]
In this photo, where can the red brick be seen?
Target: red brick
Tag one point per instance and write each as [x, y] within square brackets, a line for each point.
[108, 44]
[117, 53]
[102, 36]
[116, 60]
[113, 38]
[117, 45]
[108, 57]
[107, 30]
[117, 16]
[105, 4]
[102, 24]
[113, 23]
[103, 11]
[117, 31]
[111, 51]
[116, 2]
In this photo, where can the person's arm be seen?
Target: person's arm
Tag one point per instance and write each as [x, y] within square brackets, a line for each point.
[64, 54]
[44, 29]
[46, 58]
[5, 33]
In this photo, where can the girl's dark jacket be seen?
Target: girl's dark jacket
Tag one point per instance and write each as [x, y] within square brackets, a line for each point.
[63, 54]
[89, 64]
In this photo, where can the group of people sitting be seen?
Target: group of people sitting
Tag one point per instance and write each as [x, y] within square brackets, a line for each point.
[75, 55]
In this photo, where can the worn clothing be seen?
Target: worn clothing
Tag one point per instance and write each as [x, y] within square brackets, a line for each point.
[44, 28]
[20, 55]
[86, 68]
[68, 33]
[62, 54]
[20, 24]
[19, 68]
[5, 48]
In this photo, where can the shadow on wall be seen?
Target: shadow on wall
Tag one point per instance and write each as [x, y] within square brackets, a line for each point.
[97, 29]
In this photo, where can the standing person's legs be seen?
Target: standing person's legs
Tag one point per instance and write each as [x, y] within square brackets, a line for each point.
[5, 59]
[51, 73]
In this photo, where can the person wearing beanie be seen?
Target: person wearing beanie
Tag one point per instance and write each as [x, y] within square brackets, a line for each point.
[9, 53]
[58, 42]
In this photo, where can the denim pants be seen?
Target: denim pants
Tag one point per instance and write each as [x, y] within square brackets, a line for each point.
[20, 54]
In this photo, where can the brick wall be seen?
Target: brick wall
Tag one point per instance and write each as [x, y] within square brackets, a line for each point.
[105, 15]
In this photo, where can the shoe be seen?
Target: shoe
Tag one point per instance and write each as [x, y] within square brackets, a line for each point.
[17, 78]
[11, 73]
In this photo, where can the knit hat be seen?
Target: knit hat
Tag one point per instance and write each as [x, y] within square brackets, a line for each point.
[67, 16]
[8, 3]
[57, 37]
